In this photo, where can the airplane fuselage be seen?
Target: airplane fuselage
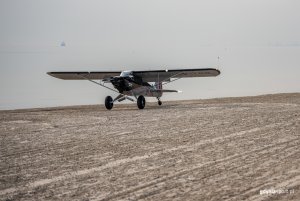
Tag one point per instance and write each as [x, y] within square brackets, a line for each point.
[133, 86]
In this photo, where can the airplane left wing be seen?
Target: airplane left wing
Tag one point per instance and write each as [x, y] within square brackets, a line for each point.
[81, 75]
[164, 75]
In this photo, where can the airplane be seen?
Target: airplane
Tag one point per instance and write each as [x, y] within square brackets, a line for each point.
[135, 85]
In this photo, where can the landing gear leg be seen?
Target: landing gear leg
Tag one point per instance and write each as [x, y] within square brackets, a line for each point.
[141, 102]
[109, 103]
[159, 101]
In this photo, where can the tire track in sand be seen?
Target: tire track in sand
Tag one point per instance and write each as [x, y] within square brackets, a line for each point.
[195, 167]
[116, 163]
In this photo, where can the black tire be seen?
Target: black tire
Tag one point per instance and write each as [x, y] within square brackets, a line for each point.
[109, 102]
[141, 102]
[159, 102]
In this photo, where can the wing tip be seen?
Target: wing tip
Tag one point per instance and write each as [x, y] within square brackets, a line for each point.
[50, 73]
[54, 74]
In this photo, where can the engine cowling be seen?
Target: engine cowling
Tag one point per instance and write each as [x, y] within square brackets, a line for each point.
[121, 83]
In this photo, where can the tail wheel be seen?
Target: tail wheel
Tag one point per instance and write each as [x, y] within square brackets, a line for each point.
[109, 102]
[141, 102]
[159, 102]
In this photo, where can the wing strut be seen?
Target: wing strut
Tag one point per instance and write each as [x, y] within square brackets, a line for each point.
[119, 98]
[169, 78]
[171, 81]
[102, 85]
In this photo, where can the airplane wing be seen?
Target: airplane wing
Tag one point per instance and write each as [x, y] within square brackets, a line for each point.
[147, 76]
[81, 75]
[166, 75]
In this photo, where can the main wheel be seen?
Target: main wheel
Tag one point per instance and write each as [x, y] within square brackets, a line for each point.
[141, 102]
[159, 102]
[109, 102]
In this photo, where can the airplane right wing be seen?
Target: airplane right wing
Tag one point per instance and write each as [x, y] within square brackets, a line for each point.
[84, 75]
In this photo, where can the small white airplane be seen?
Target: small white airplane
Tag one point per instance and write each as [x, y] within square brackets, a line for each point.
[136, 83]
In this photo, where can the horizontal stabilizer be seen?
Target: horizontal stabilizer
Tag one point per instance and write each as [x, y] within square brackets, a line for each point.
[166, 90]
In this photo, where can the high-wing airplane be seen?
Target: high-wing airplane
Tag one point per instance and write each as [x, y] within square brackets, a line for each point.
[136, 84]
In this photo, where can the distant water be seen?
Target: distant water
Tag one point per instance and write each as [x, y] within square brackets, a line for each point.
[245, 71]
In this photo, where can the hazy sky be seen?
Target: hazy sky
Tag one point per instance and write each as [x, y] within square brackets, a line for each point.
[258, 42]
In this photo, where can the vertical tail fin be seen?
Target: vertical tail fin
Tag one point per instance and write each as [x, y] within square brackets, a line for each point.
[158, 85]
